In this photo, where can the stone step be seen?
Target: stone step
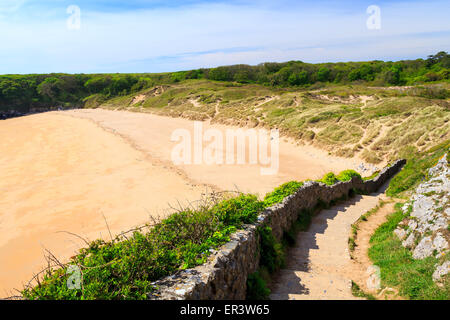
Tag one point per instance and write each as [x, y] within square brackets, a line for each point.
[315, 268]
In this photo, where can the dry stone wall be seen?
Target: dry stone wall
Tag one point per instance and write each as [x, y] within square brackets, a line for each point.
[224, 275]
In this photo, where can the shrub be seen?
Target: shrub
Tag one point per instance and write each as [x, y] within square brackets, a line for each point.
[257, 287]
[329, 179]
[272, 254]
[281, 192]
[124, 269]
[347, 175]
[237, 211]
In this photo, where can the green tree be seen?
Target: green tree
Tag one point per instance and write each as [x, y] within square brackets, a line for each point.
[301, 78]
[323, 74]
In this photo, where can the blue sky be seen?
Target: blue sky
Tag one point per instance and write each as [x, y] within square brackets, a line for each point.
[165, 35]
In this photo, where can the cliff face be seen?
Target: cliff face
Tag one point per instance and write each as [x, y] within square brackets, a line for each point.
[426, 230]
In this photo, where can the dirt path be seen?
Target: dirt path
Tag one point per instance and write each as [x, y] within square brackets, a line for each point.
[320, 267]
[358, 271]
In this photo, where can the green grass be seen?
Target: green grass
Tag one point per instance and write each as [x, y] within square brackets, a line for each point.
[281, 192]
[416, 168]
[372, 176]
[412, 277]
[358, 292]
[355, 226]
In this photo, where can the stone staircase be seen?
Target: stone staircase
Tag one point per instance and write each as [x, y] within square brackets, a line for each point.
[316, 266]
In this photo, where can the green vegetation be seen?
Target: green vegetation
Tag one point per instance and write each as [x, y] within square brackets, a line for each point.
[348, 175]
[281, 192]
[257, 287]
[297, 73]
[355, 226]
[372, 176]
[125, 267]
[372, 123]
[272, 253]
[416, 168]
[27, 92]
[272, 258]
[358, 292]
[329, 179]
[412, 277]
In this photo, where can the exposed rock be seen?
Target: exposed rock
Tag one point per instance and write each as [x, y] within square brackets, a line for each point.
[430, 214]
[409, 242]
[400, 233]
[412, 225]
[406, 207]
[441, 271]
[424, 248]
[367, 170]
[440, 243]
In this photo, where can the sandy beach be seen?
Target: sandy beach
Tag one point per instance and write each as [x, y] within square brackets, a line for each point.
[152, 134]
[71, 170]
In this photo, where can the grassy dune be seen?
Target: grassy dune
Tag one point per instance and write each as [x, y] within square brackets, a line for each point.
[375, 123]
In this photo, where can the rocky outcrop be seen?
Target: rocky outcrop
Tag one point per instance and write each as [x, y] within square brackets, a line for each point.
[11, 113]
[426, 230]
[224, 275]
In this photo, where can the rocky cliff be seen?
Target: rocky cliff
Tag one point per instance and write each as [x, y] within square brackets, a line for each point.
[425, 231]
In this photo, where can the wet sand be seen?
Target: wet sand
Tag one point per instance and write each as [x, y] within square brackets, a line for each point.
[66, 171]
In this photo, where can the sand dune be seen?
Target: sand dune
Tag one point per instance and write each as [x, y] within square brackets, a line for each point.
[64, 171]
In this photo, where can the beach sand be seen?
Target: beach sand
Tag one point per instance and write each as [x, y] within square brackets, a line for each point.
[71, 170]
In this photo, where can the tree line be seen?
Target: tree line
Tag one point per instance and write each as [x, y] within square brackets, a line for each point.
[297, 73]
[23, 92]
